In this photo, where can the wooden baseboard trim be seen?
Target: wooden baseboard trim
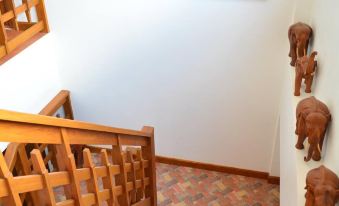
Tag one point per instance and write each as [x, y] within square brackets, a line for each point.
[273, 180]
[212, 167]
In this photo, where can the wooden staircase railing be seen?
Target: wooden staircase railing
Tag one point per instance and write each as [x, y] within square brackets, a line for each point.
[114, 177]
[17, 154]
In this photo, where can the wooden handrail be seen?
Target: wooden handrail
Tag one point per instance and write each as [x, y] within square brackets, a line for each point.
[29, 128]
[33, 119]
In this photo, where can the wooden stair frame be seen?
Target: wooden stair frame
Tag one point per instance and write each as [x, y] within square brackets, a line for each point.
[126, 181]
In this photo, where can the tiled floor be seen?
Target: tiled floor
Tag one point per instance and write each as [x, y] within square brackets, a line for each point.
[187, 186]
[181, 186]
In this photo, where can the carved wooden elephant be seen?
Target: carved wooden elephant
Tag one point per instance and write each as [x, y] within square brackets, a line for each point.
[322, 187]
[305, 69]
[299, 35]
[313, 118]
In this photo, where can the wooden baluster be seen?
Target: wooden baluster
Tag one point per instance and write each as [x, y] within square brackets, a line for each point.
[92, 183]
[66, 162]
[10, 6]
[148, 153]
[47, 194]
[26, 164]
[13, 199]
[2, 7]
[11, 155]
[121, 179]
[3, 35]
[68, 107]
[131, 176]
[108, 181]
[41, 14]
[42, 147]
[141, 176]
[52, 148]
[28, 13]
[26, 170]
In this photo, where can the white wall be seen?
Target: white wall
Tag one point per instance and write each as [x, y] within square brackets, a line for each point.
[206, 74]
[288, 157]
[327, 84]
[30, 80]
[275, 162]
[322, 17]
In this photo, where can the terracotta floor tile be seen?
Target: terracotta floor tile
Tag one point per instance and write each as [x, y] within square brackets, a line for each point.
[200, 187]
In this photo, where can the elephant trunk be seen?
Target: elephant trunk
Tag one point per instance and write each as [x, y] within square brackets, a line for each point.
[310, 153]
[313, 152]
[301, 50]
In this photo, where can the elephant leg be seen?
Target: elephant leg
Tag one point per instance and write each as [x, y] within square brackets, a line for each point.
[297, 129]
[297, 85]
[321, 142]
[308, 82]
[291, 43]
[301, 140]
[293, 50]
[316, 156]
[293, 56]
[317, 153]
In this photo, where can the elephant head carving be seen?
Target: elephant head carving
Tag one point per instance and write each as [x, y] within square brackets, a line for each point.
[313, 118]
[305, 69]
[322, 187]
[299, 35]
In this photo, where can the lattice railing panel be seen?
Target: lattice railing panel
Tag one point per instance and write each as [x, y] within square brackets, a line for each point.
[43, 182]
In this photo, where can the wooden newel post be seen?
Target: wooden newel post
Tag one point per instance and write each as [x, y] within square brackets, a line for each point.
[148, 153]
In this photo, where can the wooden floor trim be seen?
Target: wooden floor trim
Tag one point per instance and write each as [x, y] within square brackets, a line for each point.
[273, 180]
[218, 168]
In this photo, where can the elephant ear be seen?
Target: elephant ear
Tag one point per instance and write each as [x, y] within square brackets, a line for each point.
[309, 191]
[329, 117]
[311, 33]
[301, 122]
[309, 187]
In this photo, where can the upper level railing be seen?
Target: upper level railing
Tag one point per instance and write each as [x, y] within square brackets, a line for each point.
[109, 178]
[20, 25]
